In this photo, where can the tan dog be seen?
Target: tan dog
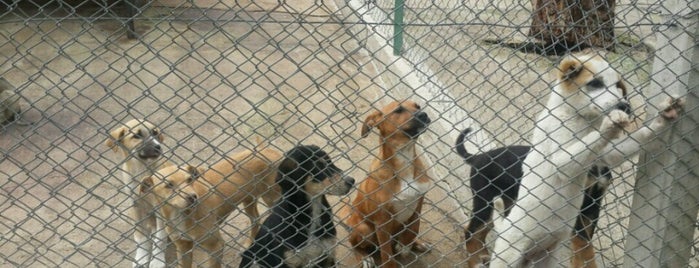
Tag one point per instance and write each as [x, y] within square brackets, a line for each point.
[193, 201]
[389, 200]
[139, 143]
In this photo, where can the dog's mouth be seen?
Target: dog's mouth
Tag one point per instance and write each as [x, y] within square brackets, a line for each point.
[418, 125]
[341, 187]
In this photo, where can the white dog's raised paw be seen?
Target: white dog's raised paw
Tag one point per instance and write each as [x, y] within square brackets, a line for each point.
[615, 122]
[671, 108]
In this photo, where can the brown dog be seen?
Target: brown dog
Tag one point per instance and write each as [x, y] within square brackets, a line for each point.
[139, 143]
[193, 201]
[389, 200]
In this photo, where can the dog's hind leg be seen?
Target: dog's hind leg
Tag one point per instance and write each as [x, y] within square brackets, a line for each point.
[583, 250]
[478, 230]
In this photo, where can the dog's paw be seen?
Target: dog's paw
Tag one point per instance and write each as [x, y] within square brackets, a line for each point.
[671, 108]
[368, 262]
[613, 125]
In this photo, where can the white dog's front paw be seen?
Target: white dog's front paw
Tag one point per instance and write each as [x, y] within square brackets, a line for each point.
[671, 108]
[615, 122]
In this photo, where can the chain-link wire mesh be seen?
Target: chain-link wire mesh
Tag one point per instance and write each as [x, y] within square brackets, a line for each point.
[211, 80]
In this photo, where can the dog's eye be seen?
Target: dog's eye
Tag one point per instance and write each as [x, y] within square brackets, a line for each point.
[595, 83]
[155, 132]
[400, 109]
[418, 106]
[138, 135]
[190, 179]
[169, 185]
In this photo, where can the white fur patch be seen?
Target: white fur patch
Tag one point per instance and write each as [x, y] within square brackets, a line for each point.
[314, 252]
[405, 201]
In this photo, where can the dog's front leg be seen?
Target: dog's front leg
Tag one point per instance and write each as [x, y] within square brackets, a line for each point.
[214, 247]
[408, 237]
[254, 215]
[158, 260]
[646, 136]
[383, 237]
[184, 253]
[575, 158]
[142, 237]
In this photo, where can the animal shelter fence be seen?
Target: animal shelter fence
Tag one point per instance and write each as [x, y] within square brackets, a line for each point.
[219, 77]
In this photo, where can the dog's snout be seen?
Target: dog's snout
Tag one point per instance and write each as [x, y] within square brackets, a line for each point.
[623, 106]
[349, 180]
[191, 199]
[423, 117]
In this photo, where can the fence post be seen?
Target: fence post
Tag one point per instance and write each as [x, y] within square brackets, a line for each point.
[398, 14]
[666, 199]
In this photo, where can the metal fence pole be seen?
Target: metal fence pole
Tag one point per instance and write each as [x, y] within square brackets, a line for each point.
[666, 200]
[399, 13]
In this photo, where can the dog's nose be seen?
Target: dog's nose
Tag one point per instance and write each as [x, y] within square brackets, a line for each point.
[349, 180]
[191, 199]
[423, 117]
[623, 106]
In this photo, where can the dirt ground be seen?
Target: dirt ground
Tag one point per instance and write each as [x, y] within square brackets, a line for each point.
[214, 86]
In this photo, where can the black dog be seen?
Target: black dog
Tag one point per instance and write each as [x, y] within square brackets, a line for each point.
[498, 173]
[300, 231]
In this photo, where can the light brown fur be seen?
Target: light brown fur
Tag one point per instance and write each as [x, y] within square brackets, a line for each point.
[193, 201]
[375, 215]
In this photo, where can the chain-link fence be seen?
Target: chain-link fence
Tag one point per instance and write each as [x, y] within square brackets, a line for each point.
[217, 78]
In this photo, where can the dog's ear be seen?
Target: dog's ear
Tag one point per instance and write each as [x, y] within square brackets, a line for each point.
[160, 135]
[622, 86]
[146, 184]
[370, 122]
[569, 68]
[116, 136]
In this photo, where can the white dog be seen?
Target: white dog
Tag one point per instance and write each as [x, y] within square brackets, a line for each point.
[139, 143]
[580, 127]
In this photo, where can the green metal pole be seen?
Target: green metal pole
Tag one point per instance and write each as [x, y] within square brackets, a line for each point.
[398, 27]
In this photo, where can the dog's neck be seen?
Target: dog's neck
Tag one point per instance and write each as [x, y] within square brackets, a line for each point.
[562, 123]
[135, 169]
[402, 153]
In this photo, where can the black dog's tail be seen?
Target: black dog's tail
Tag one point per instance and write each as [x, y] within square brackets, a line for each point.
[460, 148]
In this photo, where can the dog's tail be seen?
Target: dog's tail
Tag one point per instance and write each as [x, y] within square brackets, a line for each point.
[460, 148]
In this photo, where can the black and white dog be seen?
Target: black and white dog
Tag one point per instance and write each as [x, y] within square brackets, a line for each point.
[300, 231]
[498, 173]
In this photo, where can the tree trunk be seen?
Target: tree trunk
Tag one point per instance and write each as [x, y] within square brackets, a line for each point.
[574, 23]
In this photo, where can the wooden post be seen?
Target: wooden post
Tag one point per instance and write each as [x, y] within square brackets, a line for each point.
[666, 200]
